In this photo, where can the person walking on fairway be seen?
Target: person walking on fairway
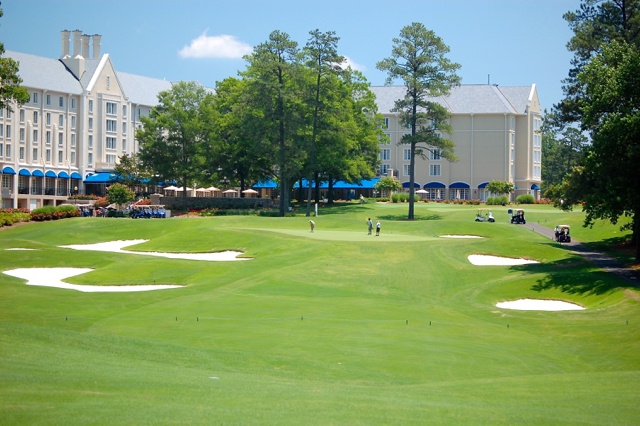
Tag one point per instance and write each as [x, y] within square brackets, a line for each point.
[370, 224]
[313, 225]
[378, 229]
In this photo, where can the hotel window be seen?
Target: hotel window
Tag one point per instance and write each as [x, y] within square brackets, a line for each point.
[34, 159]
[48, 100]
[111, 143]
[61, 102]
[124, 111]
[48, 137]
[60, 120]
[1, 113]
[124, 145]
[35, 137]
[513, 170]
[8, 132]
[112, 126]
[73, 140]
[139, 112]
[108, 82]
[90, 141]
[90, 123]
[385, 154]
[73, 157]
[124, 128]
[385, 124]
[513, 123]
[1, 150]
[22, 135]
[60, 157]
[91, 158]
[73, 122]
[384, 169]
[22, 116]
[35, 117]
[513, 139]
[73, 103]
[22, 153]
[8, 114]
[60, 139]
[513, 155]
[1, 131]
[48, 156]
[35, 98]
[111, 159]
[112, 108]
[434, 169]
[434, 155]
[8, 151]
[48, 119]
[90, 106]
[406, 169]
[406, 155]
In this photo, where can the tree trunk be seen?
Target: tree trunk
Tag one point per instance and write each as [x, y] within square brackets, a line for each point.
[242, 194]
[317, 181]
[184, 194]
[330, 191]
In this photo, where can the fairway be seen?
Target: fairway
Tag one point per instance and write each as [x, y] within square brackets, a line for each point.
[330, 327]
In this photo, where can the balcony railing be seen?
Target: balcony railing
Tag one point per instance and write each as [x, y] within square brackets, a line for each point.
[49, 191]
[61, 192]
[36, 191]
[23, 190]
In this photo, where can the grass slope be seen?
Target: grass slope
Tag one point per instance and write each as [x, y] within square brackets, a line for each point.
[334, 327]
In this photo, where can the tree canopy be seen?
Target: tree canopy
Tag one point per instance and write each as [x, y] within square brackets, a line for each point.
[418, 58]
[10, 89]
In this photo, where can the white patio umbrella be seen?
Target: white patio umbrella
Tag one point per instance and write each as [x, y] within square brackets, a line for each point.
[170, 188]
[201, 190]
[213, 189]
[421, 191]
[230, 191]
[249, 191]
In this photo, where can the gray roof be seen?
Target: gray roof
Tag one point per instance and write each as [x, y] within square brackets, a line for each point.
[90, 66]
[44, 73]
[465, 99]
[142, 90]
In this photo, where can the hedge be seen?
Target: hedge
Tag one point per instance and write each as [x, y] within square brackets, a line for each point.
[54, 213]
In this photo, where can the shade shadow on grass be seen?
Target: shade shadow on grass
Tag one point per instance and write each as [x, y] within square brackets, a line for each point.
[416, 217]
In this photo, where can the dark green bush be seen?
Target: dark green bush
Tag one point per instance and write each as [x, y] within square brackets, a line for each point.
[525, 199]
[395, 197]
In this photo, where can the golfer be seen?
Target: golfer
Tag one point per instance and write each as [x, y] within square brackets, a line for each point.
[378, 229]
[370, 224]
[312, 224]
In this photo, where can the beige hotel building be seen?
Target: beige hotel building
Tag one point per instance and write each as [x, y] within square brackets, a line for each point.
[82, 115]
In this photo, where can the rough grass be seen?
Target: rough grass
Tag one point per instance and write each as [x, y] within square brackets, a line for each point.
[334, 327]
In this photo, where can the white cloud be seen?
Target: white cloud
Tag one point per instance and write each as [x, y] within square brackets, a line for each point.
[221, 46]
[349, 63]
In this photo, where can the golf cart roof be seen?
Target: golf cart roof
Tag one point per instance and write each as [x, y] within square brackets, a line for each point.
[564, 226]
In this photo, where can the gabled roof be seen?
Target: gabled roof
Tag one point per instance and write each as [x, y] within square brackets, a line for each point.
[465, 99]
[44, 73]
[142, 90]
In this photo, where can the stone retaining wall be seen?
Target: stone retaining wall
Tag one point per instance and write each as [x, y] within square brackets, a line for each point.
[175, 203]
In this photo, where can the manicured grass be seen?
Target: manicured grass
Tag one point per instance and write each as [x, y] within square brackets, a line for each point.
[334, 327]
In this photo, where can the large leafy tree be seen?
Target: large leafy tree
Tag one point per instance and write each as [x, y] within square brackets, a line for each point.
[607, 178]
[130, 171]
[273, 94]
[10, 90]
[418, 58]
[175, 133]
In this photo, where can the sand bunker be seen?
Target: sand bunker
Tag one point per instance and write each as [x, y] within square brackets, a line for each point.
[52, 277]
[460, 236]
[540, 305]
[117, 246]
[484, 260]
[18, 248]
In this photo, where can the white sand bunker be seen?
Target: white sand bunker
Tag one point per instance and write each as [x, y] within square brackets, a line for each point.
[18, 248]
[540, 305]
[484, 260]
[117, 246]
[52, 277]
[460, 236]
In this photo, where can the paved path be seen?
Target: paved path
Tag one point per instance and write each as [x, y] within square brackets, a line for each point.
[601, 260]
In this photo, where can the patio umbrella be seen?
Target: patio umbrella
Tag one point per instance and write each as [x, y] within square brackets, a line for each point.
[201, 190]
[213, 189]
[421, 191]
[179, 189]
[230, 191]
[249, 191]
[170, 188]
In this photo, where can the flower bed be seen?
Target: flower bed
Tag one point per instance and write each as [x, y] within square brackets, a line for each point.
[54, 213]
[10, 216]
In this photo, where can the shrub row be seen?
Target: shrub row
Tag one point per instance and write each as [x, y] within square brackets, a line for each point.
[15, 216]
[240, 212]
[497, 201]
[525, 199]
[403, 197]
[83, 197]
[54, 213]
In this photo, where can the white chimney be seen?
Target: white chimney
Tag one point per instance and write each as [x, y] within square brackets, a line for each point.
[65, 43]
[85, 46]
[96, 46]
[77, 34]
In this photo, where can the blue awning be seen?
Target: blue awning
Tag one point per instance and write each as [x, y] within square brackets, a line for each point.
[534, 186]
[50, 174]
[63, 175]
[436, 185]
[75, 175]
[266, 184]
[38, 173]
[483, 185]
[408, 184]
[459, 185]
[8, 171]
[24, 172]
[99, 178]
[363, 184]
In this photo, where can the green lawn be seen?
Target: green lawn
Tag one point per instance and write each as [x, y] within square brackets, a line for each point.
[334, 327]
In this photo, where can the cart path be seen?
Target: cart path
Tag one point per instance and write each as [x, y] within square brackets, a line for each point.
[601, 260]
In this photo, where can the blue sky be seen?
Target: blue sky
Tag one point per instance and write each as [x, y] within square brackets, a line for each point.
[518, 42]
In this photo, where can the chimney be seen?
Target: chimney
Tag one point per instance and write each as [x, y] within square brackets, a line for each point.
[85, 46]
[77, 34]
[96, 46]
[65, 43]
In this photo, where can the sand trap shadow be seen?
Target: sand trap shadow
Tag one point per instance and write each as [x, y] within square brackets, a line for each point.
[321, 234]
[52, 277]
[117, 246]
[540, 305]
[485, 260]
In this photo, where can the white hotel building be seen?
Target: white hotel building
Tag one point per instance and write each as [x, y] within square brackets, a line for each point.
[82, 115]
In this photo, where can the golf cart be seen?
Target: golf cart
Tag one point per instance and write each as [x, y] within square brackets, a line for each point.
[517, 216]
[562, 234]
[484, 215]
